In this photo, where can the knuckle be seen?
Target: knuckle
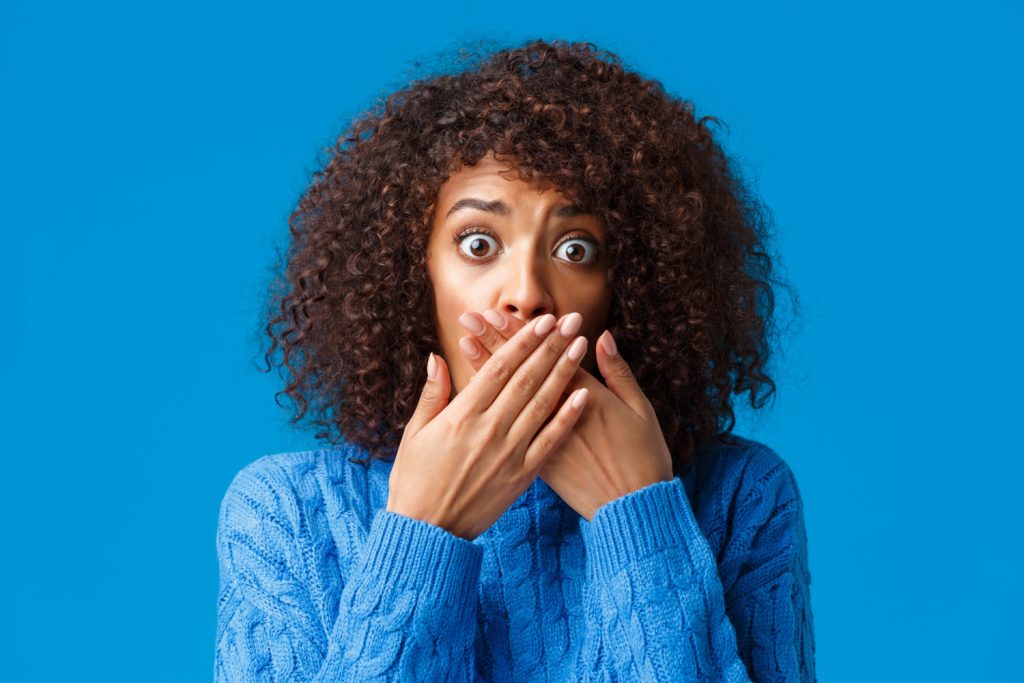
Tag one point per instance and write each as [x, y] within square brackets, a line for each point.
[538, 447]
[547, 441]
[525, 342]
[522, 385]
[499, 368]
[538, 409]
[625, 371]
[554, 344]
[489, 339]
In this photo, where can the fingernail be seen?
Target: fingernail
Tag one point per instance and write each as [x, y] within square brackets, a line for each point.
[570, 324]
[431, 367]
[470, 322]
[496, 319]
[577, 349]
[544, 325]
[469, 347]
[579, 399]
[609, 343]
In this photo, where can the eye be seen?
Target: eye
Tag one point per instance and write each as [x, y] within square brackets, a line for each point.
[475, 243]
[579, 250]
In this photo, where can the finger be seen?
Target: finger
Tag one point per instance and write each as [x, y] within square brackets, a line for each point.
[484, 330]
[471, 344]
[619, 376]
[502, 366]
[555, 432]
[434, 395]
[492, 331]
[527, 379]
[480, 355]
[541, 405]
[505, 325]
[474, 353]
[581, 379]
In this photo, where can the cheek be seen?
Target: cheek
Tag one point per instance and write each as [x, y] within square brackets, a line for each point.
[594, 307]
[447, 299]
[450, 301]
[446, 303]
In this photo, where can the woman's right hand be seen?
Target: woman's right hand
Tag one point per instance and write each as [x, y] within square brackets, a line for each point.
[461, 464]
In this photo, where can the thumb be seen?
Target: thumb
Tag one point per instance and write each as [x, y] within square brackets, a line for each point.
[434, 395]
[619, 376]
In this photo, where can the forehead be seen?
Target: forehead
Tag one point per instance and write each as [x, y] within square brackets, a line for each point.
[491, 179]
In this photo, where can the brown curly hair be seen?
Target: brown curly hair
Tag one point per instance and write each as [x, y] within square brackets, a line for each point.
[692, 304]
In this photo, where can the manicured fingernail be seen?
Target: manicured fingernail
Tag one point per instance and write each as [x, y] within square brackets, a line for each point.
[469, 347]
[570, 325]
[431, 367]
[496, 319]
[609, 343]
[579, 399]
[470, 322]
[577, 349]
[544, 325]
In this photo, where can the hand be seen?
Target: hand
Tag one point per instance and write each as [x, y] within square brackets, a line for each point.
[616, 446]
[460, 464]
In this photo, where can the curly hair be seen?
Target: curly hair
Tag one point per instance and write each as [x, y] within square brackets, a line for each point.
[352, 312]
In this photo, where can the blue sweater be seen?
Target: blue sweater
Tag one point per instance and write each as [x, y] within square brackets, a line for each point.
[701, 578]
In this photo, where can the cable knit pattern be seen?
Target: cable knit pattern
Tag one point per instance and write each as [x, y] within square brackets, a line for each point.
[701, 578]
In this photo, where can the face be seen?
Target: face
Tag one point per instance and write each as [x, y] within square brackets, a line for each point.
[499, 243]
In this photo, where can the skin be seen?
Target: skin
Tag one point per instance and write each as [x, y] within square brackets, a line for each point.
[525, 270]
[616, 446]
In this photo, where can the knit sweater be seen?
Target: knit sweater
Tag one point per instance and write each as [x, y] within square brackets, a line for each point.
[700, 578]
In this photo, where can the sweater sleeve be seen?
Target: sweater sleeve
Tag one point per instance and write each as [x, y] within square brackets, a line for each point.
[656, 603]
[407, 606]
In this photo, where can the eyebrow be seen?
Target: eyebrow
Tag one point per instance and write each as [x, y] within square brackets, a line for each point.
[500, 208]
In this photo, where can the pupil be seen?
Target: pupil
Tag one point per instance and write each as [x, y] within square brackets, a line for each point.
[573, 252]
[478, 245]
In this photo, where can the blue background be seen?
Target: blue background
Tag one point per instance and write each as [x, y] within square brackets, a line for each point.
[150, 155]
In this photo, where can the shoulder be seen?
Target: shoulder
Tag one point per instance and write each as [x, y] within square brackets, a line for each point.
[757, 502]
[286, 490]
[752, 475]
[259, 510]
[266, 484]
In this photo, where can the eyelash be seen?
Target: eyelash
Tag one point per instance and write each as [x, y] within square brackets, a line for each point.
[569, 238]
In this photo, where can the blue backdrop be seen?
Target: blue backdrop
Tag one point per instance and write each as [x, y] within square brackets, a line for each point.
[149, 157]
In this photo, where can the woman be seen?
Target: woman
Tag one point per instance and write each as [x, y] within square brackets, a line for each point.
[498, 512]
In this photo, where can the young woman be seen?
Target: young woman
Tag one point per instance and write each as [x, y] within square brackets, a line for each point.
[518, 303]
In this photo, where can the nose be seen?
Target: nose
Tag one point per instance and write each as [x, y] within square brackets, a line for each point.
[525, 292]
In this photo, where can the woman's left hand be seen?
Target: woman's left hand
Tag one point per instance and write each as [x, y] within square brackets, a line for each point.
[616, 446]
